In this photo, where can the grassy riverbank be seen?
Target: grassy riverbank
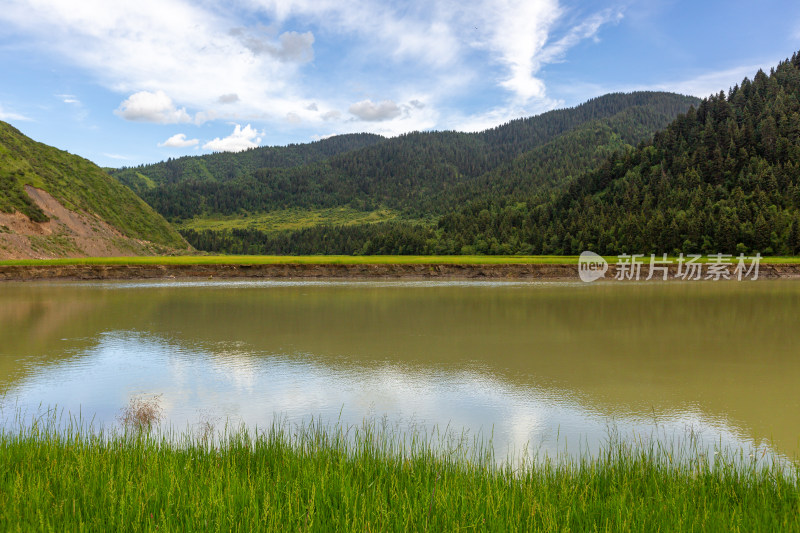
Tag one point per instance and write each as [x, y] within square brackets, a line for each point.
[345, 260]
[301, 259]
[367, 479]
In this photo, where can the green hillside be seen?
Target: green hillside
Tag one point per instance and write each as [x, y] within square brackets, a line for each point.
[552, 165]
[77, 184]
[724, 178]
[225, 166]
[418, 174]
[418, 178]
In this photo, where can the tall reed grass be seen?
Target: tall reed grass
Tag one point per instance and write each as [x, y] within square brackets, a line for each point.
[58, 476]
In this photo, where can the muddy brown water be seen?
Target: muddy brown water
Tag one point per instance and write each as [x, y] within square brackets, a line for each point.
[551, 365]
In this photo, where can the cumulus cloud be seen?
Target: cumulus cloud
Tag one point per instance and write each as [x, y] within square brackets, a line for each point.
[241, 139]
[146, 106]
[179, 140]
[440, 52]
[230, 98]
[520, 36]
[417, 31]
[291, 46]
[179, 47]
[372, 112]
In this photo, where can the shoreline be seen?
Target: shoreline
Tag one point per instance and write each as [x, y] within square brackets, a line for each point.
[422, 271]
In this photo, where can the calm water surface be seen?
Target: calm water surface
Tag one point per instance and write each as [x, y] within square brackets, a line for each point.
[551, 365]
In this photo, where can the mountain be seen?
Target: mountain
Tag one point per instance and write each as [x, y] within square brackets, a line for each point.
[224, 166]
[55, 204]
[411, 179]
[722, 178]
[414, 178]
[417, 174]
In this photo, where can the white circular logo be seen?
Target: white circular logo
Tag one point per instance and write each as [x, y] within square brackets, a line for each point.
[591, 267]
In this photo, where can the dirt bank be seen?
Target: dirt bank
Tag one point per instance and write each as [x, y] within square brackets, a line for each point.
[332, 271]
[66, 234]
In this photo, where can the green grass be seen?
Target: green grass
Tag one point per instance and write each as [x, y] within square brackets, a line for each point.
[298, 259]
[289, 219]
[370, 479]
[337, 260]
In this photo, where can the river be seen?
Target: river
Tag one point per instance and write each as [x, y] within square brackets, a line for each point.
[548, 367]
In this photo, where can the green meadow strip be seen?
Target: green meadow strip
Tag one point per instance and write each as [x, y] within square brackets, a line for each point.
[368, 479]
[341, 259]
[300, 259]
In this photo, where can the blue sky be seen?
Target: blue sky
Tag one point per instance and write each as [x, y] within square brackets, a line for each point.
[130, 82]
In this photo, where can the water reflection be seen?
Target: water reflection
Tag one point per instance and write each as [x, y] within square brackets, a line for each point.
[549, 365]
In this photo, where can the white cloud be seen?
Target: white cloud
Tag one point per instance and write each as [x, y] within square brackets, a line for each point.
[706, 84]
[180, 48]
[291, 46]
[588, 29]
[519, 30]
[259, 60]
[145, 106]
[408, 117]
[118, 157]
[322, 137]
[702, 85]
[69, 99]
[179, 140]
[9, 115]
[230, 98]
[488, 119]
[418, 31]
[371, 112]
[520, 35]
[202, 117]
[240, 139]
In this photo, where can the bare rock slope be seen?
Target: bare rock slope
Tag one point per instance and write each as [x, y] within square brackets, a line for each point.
[66, 234]
[56, 204]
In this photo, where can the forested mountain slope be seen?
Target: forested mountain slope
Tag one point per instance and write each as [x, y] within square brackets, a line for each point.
[724, 178]
[55, 204]
[552, 165]
[423, 175]
[418, 174]
[224, 166]
[721, 178]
